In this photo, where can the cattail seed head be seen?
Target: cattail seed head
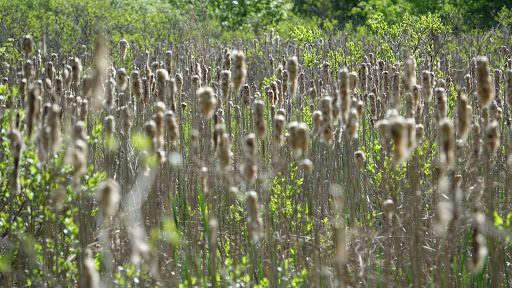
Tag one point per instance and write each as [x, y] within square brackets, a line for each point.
[317, 122]
[492, 137]
[484, 89]
[352, 123]
[207, 101]
[279, 124]
[298, 138]
[108, 196]
[27, 44]
[409, 75]
[360, 159]
[239, 69]
[28, 69]
[426, 83]
[446, 144]
[254, 220]
[260, 125]
[122, 79]
[224, 83]
[388, 207]
[123, 46]
[293, 72]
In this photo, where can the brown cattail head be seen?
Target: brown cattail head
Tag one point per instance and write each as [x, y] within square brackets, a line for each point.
[54, 129]
[446, 144]
[508, 88]
[91, 275]
[298, 138]
[344, 93]
[484, 85]
[360, 159]
[224, 83]
[317, 122]
[249, 167]
[207, 101]
[76, 70]
[239, 69]
[108, 196]
[388, 207]
[293, 71]
[27, 44]
[492, 137]
[123, 46]
[28, 69]
[224, 154]
[441, 103]
[254, 221]
[352, 125]
[409, 75]
[279, 124]
[464, 115]
[122, 79]
[260, 126]
[172, 126]
[136, 84]
[426, 83]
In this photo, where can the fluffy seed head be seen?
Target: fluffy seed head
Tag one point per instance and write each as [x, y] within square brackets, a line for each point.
[239, 69]
[207, 101]
[484, 85]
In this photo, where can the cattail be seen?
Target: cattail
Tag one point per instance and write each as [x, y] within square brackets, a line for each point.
[254, 221]
[50, 71]
[17, 146]
[492, 137]
[293, 71]
[172, 126]
[298, 138]
[306, 165]
[161, 80]
[478, 243]
[53, 126]
[122, 79]
[207, 101]
[409, 75]
[344, 92]
[279, 124]
[327, 128]
[28, 69]
[226, 65]
[386, 81]
[123, 46]
[83, 110]
[249, 166]
[484, 89]
[67, 75]
[426, 83]
[178, 78]
[441, 104]
[464, 115]
[352, 123]
[168, 61]
[388, 207]
[239, 69]
[126, 120]
[224, 83]
[363, 76]
[446, 144]
[76, 69]
[23, 90]
[508, 90]
[326, 73]
[409, 105]
[395, 91]
[312, 93]
[245, 92]
[27, 45]
[260, 126]
[107, 194]
[224, 154]
[317, 123]
[352, 76]
[136, 84]
[476, 147]
[360, 159]
[302, 83]
[32, 108]
[91, 275]
[59, 90]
